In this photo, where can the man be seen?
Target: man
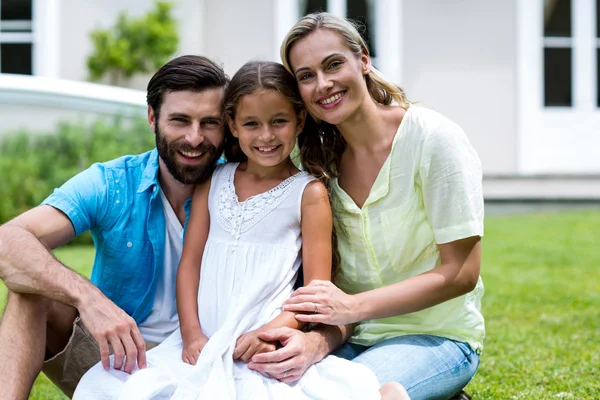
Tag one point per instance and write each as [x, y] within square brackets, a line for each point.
[135, 207]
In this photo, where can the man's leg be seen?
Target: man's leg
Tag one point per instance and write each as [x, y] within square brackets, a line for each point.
[24, 323]
[429, 367]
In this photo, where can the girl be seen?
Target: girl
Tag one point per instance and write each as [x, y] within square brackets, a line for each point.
[409, 213]
[267, 219]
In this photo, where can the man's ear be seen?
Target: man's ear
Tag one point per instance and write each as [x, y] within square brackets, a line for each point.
[152, 119]
[301, 120]
[232, 128]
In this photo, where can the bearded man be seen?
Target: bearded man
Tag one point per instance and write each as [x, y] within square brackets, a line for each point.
[58, 322]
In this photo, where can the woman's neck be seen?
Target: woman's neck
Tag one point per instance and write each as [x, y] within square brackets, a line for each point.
[370, 126]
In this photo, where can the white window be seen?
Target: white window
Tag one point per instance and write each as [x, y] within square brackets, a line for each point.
[571, 52]
[361, 12]
[597, 53]
[558, 53]
[16, 37]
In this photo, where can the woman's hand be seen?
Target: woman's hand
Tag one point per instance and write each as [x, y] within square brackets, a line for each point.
[250, 344]
[193, 347]
[322, 301]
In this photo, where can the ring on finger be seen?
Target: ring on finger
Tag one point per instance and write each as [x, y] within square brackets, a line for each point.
[284, 374]
[316, 309]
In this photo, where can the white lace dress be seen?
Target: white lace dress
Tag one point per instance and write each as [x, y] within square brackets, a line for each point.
[249, 267]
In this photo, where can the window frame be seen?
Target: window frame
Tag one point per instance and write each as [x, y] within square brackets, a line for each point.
[22, 32]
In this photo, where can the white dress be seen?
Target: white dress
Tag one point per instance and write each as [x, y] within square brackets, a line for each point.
[249, 267]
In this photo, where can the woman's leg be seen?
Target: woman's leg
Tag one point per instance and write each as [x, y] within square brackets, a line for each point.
[429, 367]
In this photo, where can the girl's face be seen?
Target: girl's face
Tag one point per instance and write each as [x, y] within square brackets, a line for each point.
[266, 126]
[329, 75]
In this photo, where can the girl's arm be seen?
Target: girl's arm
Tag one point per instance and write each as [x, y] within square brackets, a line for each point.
[188, 274]
[317, 225]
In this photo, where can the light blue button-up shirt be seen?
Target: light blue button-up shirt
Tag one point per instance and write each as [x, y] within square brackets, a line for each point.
[118, 201]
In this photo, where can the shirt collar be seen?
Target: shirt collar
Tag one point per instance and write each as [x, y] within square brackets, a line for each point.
[150, 174]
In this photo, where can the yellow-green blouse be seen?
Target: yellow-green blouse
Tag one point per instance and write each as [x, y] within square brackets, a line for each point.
[427, 192]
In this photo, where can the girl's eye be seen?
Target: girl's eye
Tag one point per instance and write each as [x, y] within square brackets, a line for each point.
[250, 124]
[280, 121]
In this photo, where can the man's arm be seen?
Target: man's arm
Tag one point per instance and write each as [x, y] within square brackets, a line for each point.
[28, 266]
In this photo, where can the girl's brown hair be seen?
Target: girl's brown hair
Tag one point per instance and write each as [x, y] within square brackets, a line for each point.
[255, 76]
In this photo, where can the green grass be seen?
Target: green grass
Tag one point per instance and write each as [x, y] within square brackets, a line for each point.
[542, 308]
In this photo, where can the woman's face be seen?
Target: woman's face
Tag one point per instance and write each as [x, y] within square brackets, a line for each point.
[329, 75]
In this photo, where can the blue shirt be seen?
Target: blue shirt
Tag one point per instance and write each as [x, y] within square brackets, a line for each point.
[118, 201]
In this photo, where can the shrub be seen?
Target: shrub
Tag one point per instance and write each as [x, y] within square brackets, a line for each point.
[134, 45]
[32, 165]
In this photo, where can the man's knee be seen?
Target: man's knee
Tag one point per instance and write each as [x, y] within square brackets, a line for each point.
[26, 306]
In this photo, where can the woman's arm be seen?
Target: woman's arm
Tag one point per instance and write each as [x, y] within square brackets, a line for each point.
[316, 228]
[456, 275]
[188, 274]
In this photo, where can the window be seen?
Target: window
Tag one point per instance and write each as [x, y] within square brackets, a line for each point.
[598, 53]
[16, 37]
[558, 49]
[360, 11]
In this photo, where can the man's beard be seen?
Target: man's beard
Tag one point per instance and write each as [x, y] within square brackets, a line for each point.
[187, 174]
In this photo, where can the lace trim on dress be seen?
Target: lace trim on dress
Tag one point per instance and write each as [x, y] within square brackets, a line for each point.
[238, 217]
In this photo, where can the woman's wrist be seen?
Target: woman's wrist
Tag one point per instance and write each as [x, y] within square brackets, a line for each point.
[361, 308]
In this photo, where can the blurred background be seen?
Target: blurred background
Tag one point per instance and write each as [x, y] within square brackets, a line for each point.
[521, 77]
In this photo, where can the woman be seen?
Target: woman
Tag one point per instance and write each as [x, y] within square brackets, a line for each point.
[409, 218]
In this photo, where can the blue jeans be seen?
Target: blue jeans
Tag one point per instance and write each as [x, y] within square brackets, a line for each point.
[429, 367]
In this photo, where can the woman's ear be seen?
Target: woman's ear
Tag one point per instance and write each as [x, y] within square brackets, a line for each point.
[231, 124]
[365, 61]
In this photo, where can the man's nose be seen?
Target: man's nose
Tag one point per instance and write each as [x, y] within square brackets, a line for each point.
[195, 136]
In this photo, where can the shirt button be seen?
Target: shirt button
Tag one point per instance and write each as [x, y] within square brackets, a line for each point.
[154, 189]
[118, 201]
[129, 244]
[117, 192]
[117, 181]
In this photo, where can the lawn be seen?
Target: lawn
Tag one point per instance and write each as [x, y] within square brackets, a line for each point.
[542, 308]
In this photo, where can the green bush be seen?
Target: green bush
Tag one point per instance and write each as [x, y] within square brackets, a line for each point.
[134, 45]
[32, 165]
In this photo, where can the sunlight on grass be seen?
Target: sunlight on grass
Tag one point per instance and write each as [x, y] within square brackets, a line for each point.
[542, 300]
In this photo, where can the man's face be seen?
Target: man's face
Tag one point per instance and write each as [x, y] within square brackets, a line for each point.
[189, 133]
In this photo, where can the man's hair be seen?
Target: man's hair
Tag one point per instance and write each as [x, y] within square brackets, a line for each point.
[194, 73]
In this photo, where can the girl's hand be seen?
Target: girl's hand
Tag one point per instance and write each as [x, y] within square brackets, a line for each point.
[322, 301]
[250, 344]
[193, 347]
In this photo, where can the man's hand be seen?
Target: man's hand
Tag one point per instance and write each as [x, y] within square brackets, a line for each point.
[250, 344]
[192, 348]
[288, 363]
[110, 325]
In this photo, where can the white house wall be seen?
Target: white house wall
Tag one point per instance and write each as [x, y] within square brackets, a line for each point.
[237, 31]
[459, 58]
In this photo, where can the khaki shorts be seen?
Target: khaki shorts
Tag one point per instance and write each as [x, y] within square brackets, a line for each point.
[79, 355]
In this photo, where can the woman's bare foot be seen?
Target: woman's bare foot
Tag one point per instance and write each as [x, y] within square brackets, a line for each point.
[393, 391]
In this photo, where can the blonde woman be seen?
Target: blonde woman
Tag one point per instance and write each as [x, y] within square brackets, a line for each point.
[409, 218]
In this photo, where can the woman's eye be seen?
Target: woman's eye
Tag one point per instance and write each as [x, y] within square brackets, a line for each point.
[335, 64]
[305, 76]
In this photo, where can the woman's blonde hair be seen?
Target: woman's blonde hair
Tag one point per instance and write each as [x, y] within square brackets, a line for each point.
[380, 89]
